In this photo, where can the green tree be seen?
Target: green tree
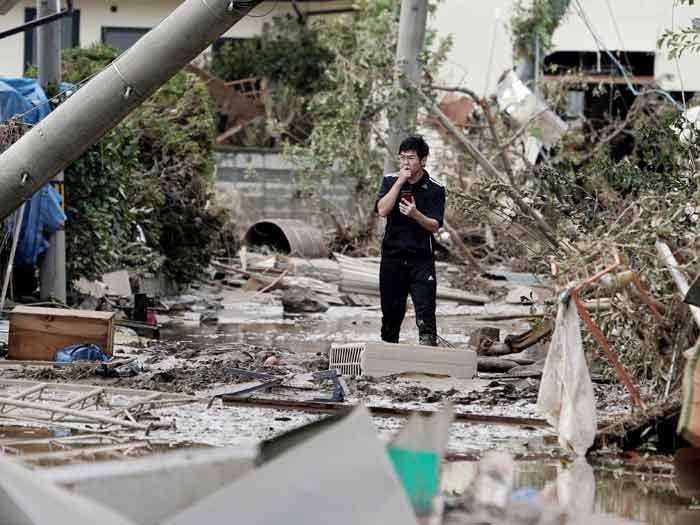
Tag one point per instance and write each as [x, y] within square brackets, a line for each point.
[679, 41]
[152, 174]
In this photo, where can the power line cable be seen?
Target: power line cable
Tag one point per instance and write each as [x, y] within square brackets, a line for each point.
[243, 3]
[677, 63]
[620, 67]
[619, 34]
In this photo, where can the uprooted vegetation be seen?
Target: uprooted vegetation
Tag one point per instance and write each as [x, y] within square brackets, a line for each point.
[142, 198]
[610, 188]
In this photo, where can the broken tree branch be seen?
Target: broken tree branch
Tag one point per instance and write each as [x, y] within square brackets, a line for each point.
[489, 168]
[461, 247]
[505, 160]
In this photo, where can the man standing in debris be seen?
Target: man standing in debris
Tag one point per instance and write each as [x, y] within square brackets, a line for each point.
[414, 205]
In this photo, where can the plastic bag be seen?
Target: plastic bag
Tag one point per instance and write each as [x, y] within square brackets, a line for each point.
[566, 396]
[80, 352]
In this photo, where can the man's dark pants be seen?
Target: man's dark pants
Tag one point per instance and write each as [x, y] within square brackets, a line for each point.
[399, 276]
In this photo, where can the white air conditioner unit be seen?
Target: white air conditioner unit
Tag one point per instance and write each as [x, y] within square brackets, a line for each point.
[6, 5]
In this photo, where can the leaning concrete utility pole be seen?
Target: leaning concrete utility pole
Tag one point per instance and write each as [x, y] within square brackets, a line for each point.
[52, 275]
[103, 102]
[414, 17]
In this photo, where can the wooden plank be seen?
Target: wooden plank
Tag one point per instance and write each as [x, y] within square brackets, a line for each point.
[63, 312]
[689, 420]
[328, 407]
[37, 333]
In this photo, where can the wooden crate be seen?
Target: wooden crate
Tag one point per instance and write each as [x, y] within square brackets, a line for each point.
[36, 333]
[689, 420]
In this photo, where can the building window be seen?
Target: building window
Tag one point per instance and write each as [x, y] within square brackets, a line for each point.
[122, 38]
[70, 34]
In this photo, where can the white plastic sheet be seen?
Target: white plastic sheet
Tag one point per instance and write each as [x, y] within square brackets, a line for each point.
[566, 397]
[26, 498]
[340, 476]
[516, 99]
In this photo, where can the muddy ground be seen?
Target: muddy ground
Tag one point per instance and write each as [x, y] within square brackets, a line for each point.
[202, 361]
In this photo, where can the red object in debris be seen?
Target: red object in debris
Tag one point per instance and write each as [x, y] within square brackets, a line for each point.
[150, 318]
[273, 360]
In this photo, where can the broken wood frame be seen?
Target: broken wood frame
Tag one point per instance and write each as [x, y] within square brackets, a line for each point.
[75, 409]
[596, 332]
[242, 101]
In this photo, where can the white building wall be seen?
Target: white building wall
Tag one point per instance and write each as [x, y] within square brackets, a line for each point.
[634, 25]
[635, 19]
[685, 74]
[96, 14]
[482, 48]
[12, 47]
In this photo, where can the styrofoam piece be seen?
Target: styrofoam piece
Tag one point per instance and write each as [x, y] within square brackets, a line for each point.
[382, 359]
[150, 489]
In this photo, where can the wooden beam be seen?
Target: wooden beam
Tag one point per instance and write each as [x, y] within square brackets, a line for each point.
[329, 408]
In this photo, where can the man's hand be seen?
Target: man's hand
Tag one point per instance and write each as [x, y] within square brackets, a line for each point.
[404, 174]
[408, 208]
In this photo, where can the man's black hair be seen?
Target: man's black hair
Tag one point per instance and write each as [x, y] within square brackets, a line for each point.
[415, 143]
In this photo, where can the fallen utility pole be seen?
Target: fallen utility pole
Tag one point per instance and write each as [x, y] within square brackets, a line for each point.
[329, 407]
[96, 108]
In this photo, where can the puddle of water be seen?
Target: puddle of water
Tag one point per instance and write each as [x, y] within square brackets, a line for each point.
[30, 439]
[316, 335]
[651, 500]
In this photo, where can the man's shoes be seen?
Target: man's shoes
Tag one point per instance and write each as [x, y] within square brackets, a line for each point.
[427, 340]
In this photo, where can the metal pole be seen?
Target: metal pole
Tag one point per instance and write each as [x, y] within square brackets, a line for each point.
[537, 67]
[414, 16]
[52, 275]
[11, 261]
[108, 98]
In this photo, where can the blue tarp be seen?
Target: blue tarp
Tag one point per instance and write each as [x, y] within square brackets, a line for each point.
[24, 98]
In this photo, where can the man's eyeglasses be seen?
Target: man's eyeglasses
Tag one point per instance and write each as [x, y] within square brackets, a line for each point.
[409, 158]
